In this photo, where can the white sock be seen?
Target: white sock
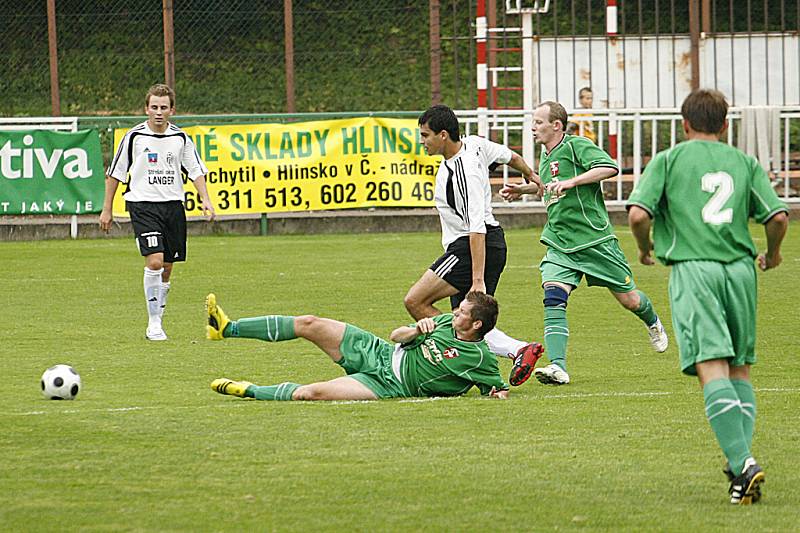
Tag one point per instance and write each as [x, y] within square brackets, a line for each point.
[502, 345]
[162, 297]
[152, 288]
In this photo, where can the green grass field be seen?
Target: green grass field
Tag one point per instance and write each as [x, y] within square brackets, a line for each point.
[147, 445]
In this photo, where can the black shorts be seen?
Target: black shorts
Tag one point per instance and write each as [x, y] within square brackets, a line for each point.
[455, 266]
[160, 227]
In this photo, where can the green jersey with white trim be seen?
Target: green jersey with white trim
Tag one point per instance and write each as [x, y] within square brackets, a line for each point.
[439, 364]
[701, 194]
[577, 218]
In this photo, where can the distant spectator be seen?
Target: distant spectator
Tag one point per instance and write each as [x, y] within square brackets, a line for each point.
[584, 127]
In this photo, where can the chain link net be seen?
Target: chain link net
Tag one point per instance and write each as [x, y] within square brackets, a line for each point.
[229, 56]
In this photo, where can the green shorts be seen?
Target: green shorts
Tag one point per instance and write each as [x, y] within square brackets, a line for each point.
[603, 265]
[368, 359]
[714, 311]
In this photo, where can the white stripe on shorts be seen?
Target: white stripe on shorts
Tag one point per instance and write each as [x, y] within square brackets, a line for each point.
[446, 266]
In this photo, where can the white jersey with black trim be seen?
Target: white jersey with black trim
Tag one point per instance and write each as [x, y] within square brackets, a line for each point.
[463, 194]
[151, 163]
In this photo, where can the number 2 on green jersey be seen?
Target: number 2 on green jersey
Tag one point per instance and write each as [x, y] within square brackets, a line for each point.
[721, 184]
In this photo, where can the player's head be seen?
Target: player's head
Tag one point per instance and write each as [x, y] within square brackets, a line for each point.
[586, 97]
[479, 312]
[159, 106]
[437, 125]
[549, 122]
[159, 89]
[705, 111]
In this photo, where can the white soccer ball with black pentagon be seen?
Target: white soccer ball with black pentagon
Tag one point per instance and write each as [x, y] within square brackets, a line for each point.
[60, 382]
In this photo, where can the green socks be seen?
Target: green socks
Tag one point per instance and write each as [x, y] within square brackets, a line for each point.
[282, 392]
[645, 311]
[556, 334]
[744, 389]
[267, 328]
[725, 417]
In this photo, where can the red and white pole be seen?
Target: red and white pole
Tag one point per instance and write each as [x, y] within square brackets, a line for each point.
[611, 32]
[482, 69]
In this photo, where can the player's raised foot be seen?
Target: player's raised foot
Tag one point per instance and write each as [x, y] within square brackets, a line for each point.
[729, 474]
[744, 486]
[524, 362]
[155, 332]
[217, 319]
[551, 375]
[230, 387]
[658, 336]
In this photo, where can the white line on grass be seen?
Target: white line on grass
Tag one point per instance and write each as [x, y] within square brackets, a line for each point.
[404, 400]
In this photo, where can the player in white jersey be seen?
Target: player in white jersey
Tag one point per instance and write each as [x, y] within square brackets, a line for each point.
[149, 160]
[474, 242]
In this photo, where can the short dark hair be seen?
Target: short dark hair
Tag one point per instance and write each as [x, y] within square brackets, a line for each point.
[557, 112]
[485, 309]
[440, 117]
[159, 89]
[705, 110]
[584, 90]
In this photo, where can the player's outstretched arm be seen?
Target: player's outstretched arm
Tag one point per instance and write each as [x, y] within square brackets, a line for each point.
[519, 164]
[775, 228]
[593, 175]
[513, 191]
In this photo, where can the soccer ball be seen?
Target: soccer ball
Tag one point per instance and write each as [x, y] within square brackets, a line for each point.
[60, 382]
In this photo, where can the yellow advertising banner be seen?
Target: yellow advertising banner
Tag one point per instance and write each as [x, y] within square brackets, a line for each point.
[332, 164]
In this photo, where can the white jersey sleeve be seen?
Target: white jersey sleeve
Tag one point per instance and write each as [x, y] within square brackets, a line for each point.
[121, 162]
[490, 152]
[191, 162]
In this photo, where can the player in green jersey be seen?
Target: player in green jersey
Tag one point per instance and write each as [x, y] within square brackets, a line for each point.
[579, 237]
[700, 194]
[440, 356]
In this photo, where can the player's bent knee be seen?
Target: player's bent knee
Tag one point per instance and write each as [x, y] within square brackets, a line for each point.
[555, 296]
[304, 323]
[306, 393]
[410, 302]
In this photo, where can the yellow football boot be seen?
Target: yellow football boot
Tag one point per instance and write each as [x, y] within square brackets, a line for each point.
[217, 319]
[230, 387]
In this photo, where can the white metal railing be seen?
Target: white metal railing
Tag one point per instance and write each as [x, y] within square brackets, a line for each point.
[640, 134]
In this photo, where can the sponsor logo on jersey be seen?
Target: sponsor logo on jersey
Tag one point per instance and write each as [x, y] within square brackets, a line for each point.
[152, 158]
[554, 168]
[170, 158]
[450, 353]
[431, 352]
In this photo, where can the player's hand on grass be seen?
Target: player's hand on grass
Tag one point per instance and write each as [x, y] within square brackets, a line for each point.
[426, 325]
[499, 394]
[767, 261]
[106, 218]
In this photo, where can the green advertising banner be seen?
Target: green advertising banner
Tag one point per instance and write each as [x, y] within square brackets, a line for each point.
[51, 173]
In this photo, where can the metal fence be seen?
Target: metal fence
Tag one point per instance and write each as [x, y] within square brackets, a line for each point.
[229, 55]
[643, 132]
